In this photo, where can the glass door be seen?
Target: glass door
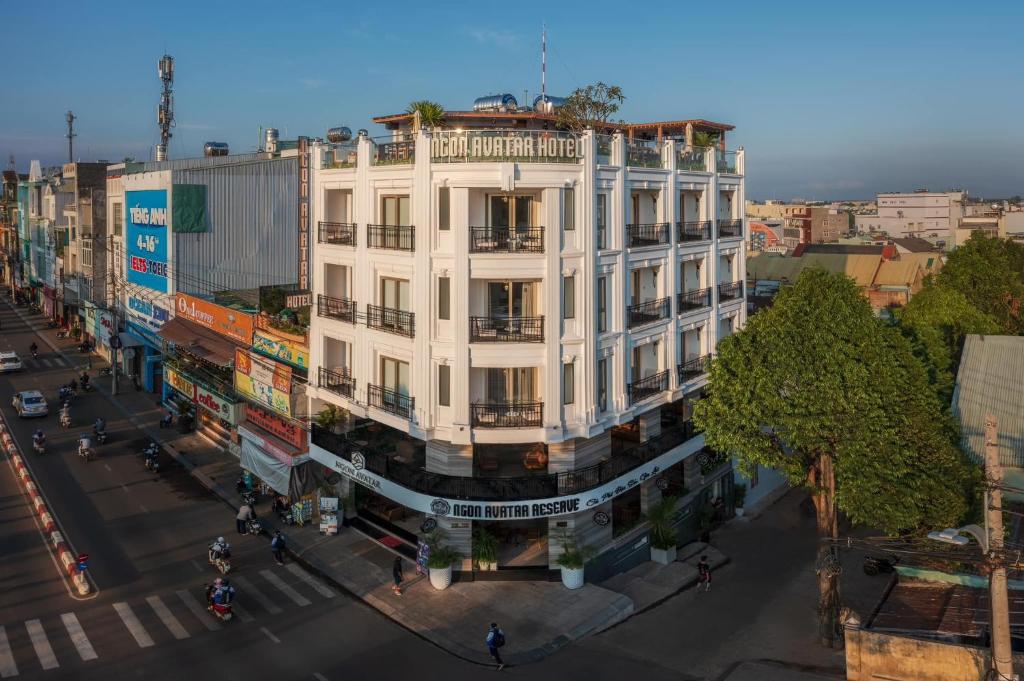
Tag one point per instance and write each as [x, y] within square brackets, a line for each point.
[395, 375]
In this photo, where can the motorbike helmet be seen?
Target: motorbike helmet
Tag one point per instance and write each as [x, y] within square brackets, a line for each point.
[220, 540]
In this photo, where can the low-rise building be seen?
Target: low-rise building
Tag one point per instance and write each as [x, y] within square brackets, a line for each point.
[803, 223]
[928, 215]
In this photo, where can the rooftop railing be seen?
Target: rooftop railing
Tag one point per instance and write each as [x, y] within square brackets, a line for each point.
[521, 146]
[654, 234]
[726, 162]
[337, 233]
[508, 415]
[391, 237]
[648, 387]
[644, 154]
[340, 156]
[648, 312]
[693, 159]
[694, 231]
[394, 152]
[506, 239]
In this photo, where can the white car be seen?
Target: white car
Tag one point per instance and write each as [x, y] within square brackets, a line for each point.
[30, 403]
[9, 361]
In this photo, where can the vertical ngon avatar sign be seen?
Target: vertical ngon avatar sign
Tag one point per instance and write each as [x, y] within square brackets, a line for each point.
[146, 218]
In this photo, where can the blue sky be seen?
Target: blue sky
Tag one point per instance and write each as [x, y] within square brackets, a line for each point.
[829, 99]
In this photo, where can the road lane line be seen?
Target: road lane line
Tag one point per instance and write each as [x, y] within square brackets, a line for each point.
[108, 468]
[78, 637]
[249, 590]
[196, 565]
[269, 635]
[123, 487]
[319, 587]
[291, 593]
[242, 613]
[46, 363]
[167, 617]
[8, 667]
[319, 677]
[201, 613]
[144, 509]
[42, 644]
[135, 627]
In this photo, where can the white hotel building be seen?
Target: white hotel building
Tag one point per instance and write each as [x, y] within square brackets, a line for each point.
[519, 320]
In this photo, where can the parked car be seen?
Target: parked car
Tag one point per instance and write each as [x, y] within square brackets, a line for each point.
[9, 361]
[30, 403]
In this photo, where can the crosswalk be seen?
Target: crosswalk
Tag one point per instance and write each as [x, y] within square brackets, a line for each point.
[55, 362]
[153, 619]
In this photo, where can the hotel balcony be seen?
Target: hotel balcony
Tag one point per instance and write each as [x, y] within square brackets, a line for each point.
[338, 382]
[655, 234]
[693, 369]
[506, 329]
[391, 401]
[726, 162]
[391, 237]
[648, 312]
[506, 239]
[341, 309]
[730, 229]
[730, 291]
[508, 415]
[648, 387]
[690, 301]
[644, 154]
[693, 159]
[690, 232]
[394, 152]
[337, 233]
[400, 322]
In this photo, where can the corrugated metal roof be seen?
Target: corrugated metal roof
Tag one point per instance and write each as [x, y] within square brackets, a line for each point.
[990, 381]
[194, 163]
[897, 273]
[860, 268]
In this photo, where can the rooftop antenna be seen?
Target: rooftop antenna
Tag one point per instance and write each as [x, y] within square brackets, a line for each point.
[10, 162]
[165, 112]
[70, 118]
[543, 63]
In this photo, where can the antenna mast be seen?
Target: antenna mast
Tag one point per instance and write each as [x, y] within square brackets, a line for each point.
[70, 118]
[165, 113]
[543, 63]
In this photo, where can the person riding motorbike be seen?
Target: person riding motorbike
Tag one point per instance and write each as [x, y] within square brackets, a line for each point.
[85, 381]
[38, 439]
[225, 594]
[219, 549]
[65, 414]
[99, 425]
[85, 446]
[211, 589]
[34, 349]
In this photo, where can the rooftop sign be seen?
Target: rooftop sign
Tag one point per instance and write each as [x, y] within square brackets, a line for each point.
[524, 146]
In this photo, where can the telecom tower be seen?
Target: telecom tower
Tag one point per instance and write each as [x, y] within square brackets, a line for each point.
[70, 118]
[165, 113]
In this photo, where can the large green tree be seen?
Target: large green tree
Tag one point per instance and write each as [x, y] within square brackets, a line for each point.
[989, 272]
[820, 389]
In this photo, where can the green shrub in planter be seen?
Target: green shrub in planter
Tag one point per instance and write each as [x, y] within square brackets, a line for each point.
[485, 549]
[739, 495]
[441, 556]
[574, 556]
[662, 516]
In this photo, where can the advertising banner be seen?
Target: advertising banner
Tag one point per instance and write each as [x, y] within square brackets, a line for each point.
[276, 426]
[217, 405]
[223, 320]
[178, 381]
[146, 239]
[287, 351]
[147, 314]
[264, 381]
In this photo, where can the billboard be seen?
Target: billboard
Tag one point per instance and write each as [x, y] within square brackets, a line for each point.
[263, 381]
[288, 351]
[223, 320]
[146, 238]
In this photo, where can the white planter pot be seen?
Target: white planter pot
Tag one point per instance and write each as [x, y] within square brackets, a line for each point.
[663, 556]
[739, 511]
[572, 578]
[441, 578]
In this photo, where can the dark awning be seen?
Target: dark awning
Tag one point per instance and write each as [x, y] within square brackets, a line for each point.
[199, 341]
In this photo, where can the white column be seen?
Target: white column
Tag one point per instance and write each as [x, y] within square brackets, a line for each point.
[551, 374]
[618, 216]
[741, 265]
[672, 275]
[459, 224]
[423, 287]
[586, 231]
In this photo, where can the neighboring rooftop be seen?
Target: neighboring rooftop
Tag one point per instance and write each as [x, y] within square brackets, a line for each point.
[989, 382]
[914, 244]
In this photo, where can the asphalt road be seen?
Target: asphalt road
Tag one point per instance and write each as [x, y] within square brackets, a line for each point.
[147, 536]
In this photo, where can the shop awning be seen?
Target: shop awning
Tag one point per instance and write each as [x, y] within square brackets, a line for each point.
[199, 341]
[130, 340]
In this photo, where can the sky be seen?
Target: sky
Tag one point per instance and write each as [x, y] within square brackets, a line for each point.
[830, 100]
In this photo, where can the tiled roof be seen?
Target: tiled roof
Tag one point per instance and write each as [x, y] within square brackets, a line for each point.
[989, 382]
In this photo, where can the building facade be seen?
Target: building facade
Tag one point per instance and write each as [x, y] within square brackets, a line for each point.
[520, 320]
[929, 215]
[802, 223]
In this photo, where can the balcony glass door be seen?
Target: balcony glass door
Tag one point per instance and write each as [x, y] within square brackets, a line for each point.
[510, 385]
[510, 299]
[511, 211]
[395, 293]
[394, 210]
[394, 375]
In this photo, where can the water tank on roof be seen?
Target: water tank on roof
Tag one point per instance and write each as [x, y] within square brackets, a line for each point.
[339, 134]
[215, 149]
[547, 104]
[270, 141]
[505, 102]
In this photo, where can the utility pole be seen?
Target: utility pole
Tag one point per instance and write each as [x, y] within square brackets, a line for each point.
[999, 600]
[70, 118]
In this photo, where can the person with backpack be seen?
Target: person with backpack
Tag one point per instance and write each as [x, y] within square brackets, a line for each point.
[495, 640]
[277, 545]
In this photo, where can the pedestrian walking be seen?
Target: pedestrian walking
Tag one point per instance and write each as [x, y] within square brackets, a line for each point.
[495, 640]
[245, 514]
[277, 545]
[396, 573]
[704, 574]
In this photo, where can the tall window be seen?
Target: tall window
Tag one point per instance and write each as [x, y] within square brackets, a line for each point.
[444, 298]
[507, 299]
[511, 211]
[602, 221]
[394, 210]
[443, 209]
[602, 384]
[602, 303]
[444, 385]
[394, 293]
[118, 218]
[569, 297]
[511, 385]
[394, 375]
[568, 382]
[569, 209]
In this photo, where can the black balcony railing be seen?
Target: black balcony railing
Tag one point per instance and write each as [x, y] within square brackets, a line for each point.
[647, 235]
[338, 233]
[730, 229]
[688, 301]
[389, 319]
[542, 486]
[506, 329]
[340, 382]
[651, 311]
[731, 291]
[694, 231]
[336, 308]
[392, 237]
[694, 368]
[391, 401]
[648, 387]
[506, 239]
[508, 415]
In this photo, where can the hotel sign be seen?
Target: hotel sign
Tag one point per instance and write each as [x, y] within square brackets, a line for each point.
[523, 147]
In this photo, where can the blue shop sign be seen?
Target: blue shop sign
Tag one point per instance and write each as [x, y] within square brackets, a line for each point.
[147, 235]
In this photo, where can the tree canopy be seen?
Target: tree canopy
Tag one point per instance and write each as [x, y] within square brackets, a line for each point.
[592, 104]
[989, 272]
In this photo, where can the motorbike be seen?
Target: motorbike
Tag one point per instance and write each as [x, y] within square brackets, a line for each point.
[222, 562]
[38, 447]
[65, 394]
[249, 498]
[874, 565]
[152, 462]
[61, 335]
[253, 526]
[52, 324]
[65, 419]
[100, 435]
[86, 453]
[105, 371]
[86, 387]
[221, 611]
[85, 346]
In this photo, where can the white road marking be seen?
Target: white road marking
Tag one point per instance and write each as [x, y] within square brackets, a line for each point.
[319, 677]
[201, 613]
[108, 468]
[46, 363]
[124, 488]
[8, 668]
[242, 613]
[78, 637]
[249, 590]
[135, 627]
[319, 587]
[167, 617]
[144, 509]
[196, 565]
[269, 635]
[291, 593]
[42, 644]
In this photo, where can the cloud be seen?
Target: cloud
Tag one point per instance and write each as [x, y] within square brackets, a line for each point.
[312, 83]
[490, 36]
